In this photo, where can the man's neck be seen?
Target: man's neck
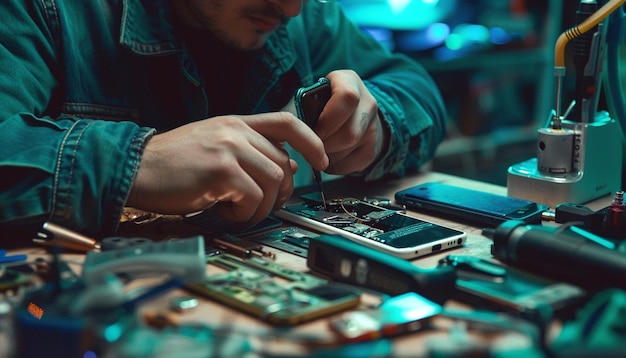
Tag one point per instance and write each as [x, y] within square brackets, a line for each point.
[224, 69]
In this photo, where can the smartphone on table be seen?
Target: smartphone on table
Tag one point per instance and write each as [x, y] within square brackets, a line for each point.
[387, 230]
[469, 205]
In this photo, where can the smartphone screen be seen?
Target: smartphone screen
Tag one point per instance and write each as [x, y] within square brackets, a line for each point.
[387, 230]
[469, 205]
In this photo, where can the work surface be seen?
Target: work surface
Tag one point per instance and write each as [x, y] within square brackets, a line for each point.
[242, 334]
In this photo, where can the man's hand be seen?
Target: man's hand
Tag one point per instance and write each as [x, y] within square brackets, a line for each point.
[350, 127]
[238, 161]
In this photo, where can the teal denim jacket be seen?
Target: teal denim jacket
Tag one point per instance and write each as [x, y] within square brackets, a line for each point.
[77, 99]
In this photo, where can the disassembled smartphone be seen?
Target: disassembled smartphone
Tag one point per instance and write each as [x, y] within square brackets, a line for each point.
[272, 292]
[390, 231]
[469, 205]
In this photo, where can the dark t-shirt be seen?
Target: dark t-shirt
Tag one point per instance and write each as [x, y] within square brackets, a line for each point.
[223, 69]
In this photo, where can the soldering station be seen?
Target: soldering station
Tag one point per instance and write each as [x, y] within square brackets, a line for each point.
[353, 265]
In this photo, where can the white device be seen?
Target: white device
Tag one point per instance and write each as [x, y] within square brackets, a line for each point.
[577, 160]
[386, 230]
[597, 167]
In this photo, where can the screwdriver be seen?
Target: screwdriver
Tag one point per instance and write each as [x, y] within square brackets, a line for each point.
[310, 102]
[318, 179]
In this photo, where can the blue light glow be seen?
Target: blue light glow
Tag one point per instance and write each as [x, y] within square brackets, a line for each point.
[499, 36]
[473, 32]
[380, 34]
[455, 42]
[383, 36]
[398, 14]
[437, 32]
[397, 6]
[419, 40]
[113, 332]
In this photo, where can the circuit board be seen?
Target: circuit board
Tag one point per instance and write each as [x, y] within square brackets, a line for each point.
[291, 239]
[272, 292]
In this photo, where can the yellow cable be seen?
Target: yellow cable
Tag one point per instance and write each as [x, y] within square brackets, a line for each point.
[588, 24]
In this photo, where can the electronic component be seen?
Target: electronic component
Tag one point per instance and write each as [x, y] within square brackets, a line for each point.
[556, 252]
[578, 160]
[469, 205]
[244, 248]
[11, 279]
[117, 242]
[182, 258]
[291, 239]
[272, 292]
[609, 222]
[597, 331]
[484, 283]
[389, 231]
[397, 315]
[346, 261]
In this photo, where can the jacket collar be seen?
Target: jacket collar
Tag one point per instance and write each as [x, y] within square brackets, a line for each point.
[147, 27]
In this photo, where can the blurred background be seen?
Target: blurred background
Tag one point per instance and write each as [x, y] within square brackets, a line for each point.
[493, 61]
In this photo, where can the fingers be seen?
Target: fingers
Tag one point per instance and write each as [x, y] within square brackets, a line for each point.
[261, 178]
[239, 161]
[349, 125]
[343, 103]
[285, 127]
[266, 178]
[359, 155]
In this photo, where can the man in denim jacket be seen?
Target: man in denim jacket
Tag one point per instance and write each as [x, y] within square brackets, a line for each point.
[171, 106]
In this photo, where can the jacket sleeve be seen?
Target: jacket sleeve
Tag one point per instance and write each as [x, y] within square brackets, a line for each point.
[72, 171]
[406, 94]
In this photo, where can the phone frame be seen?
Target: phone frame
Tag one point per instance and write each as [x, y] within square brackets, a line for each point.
[464, 204]
[453, 237]
[310, 101]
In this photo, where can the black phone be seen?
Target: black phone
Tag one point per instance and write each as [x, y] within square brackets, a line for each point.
[310, 101]
[469, 205]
